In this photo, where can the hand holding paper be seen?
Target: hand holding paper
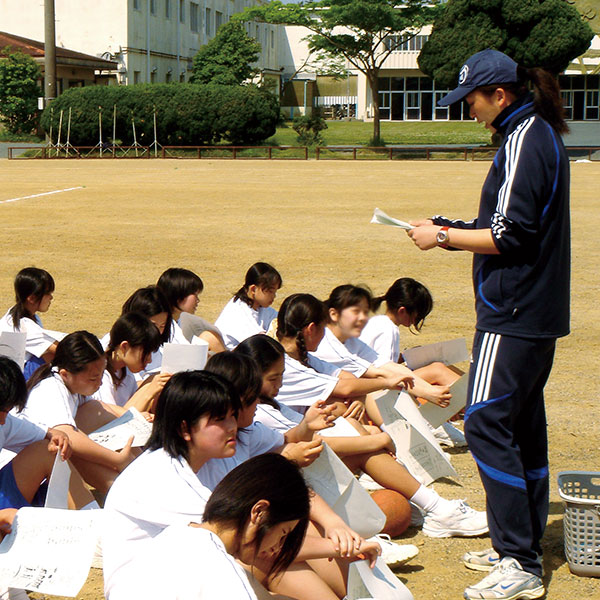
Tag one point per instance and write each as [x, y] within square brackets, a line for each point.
[380, 218]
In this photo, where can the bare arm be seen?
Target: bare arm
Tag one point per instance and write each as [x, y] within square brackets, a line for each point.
[478, 241]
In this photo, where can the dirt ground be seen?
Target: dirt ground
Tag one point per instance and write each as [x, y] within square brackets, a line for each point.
[130, 220]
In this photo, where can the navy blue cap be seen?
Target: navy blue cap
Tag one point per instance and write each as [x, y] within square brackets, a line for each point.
[484, 68]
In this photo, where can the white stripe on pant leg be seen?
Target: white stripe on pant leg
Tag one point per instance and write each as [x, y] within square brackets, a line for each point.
[487, 354]
[490, 371]
[474, 399]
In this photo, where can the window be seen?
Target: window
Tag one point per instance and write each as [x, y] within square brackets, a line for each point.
[136, 4]
[567, 97]
[441, 112]
[414, 44]
[168, 77]
[591, 104]
[167, 9]
[153, 7]
[181, 11]
[153, 76]
[194, 16]
[182, 78]
[272, 39]
[137, 76]
[413, 105]
[218, 20]
[207, 27]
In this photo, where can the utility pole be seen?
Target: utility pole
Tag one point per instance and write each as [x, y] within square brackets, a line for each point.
[49, 52]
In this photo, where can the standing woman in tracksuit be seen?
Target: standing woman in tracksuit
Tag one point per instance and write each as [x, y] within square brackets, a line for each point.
[521, 272]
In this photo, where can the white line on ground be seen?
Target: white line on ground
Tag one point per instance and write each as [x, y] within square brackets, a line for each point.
[80, 187]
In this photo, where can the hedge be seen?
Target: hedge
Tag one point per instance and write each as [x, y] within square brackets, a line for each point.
[186, 114]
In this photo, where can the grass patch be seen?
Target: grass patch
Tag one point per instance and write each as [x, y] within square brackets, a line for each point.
[5, 136]
[358, 133]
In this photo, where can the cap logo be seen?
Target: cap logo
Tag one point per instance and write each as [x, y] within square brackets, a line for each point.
[464, 73]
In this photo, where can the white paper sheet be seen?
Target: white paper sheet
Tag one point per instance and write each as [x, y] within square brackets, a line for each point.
[341, 428]
[48, 551]
[184, 357]
[436, 415]
[12, 345]
[379, 583]
[449, 353]
[416, 447]
[380, 218]
[58, 486]
[114, 435]
[332, 480]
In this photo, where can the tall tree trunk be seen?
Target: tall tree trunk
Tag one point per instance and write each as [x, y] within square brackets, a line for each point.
[374, 83]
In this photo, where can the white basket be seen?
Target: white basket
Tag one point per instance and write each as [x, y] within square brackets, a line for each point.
[580, 491]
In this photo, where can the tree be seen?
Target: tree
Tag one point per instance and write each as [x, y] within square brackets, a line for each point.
[364, 32]
[226, 59]
[535, 33]
[19, 91]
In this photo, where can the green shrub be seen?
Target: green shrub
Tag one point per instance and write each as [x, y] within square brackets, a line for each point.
[186, 114]
[309, 129]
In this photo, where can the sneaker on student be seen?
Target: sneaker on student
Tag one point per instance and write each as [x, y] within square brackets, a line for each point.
[482, 560]
[449, 436]
[507, 581]
[459, 520]
[393, 554]
[416, 516]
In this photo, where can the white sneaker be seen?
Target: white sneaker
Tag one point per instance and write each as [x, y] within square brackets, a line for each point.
[482, 560]
[507, 581]
[393, 554]
[449, 436]
[459, 520]
[416, 516]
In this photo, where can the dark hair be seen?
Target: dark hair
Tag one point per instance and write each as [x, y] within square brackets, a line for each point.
[296, 312]
[73, 353]
[410, 294]
[262, 275]
[30, 281]
[12, 384]
[138, 330]
[347, 295]
[268, 477]
[186, 397]
[177, 284]
[241, 371]
[150, 301]
[546, 94]
[266, 352]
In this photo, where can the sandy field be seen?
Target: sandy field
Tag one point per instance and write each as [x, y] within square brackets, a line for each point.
[129, 220]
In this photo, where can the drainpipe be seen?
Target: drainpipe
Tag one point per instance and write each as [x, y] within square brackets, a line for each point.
[49, 51]
[147, 41]
[178, 38]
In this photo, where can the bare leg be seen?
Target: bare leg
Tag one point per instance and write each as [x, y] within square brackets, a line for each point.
[302, 583]
[439, 374]
[31, 466]
[96, 475]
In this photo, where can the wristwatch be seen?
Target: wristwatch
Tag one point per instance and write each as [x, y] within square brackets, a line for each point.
[441, 237]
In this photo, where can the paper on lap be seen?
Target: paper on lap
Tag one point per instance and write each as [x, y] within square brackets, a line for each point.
[379, 582]
[449, 353]
[48, 551]
[436, 415]
[114, 435]
[12, 345]
[380, 218]
[58, 486]
[341, 428]
[329, 477]
[184, 357]
[416, 447]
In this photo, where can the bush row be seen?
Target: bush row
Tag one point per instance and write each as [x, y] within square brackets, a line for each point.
[186, 114]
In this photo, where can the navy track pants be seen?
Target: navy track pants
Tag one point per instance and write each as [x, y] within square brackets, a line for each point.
[505, 427]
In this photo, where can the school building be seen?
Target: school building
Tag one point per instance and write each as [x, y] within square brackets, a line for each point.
[154, 41]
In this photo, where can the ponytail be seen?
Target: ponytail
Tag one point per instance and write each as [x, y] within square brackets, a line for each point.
[547, 99]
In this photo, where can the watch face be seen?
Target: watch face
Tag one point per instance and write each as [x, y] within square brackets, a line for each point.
[442, 236]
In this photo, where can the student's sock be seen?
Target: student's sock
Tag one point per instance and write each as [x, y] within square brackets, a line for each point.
[429, 500]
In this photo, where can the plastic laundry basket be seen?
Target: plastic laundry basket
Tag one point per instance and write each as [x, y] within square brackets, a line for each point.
[581, 492]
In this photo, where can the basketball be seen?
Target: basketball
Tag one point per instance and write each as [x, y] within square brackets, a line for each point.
[396, 509]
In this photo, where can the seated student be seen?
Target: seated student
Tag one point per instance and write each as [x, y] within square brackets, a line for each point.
[319, 578]
[195, 421]
[133, 339]
[408, 302]
[59, 389]
[249, 311]
[258, 514]
[306, 379]
[33, 292]
[348, 312]
[182, 289]
[301, 325]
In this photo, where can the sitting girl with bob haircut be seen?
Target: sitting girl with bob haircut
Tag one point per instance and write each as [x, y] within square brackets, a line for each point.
[249, 311]
[257, 514]
[195, 420]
